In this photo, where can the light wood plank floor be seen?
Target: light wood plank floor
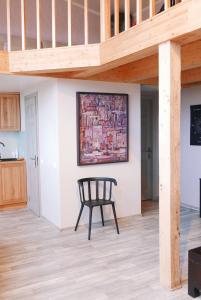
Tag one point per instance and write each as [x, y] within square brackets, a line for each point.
[39, 262]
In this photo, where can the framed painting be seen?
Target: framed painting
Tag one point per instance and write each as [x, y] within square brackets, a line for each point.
[195, 134]
[102, 128]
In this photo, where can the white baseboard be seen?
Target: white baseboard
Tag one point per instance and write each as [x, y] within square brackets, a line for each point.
[190, 206]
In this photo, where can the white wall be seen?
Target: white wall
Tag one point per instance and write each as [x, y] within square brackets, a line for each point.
[48, 148]
[190, 155]
[128, 192]
[58, 149]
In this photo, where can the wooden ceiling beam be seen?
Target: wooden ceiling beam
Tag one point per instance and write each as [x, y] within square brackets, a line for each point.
[188, 77]
[54, 59]
[146, 68]
[4, 62]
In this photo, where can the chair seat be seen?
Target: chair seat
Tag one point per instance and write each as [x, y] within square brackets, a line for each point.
[98, 202]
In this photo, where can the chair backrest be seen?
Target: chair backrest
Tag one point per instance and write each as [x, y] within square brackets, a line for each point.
[102, 185]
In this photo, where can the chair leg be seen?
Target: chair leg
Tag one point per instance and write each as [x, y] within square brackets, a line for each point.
[101, 209]
[90, 221]
[115, 217]
[78, 220]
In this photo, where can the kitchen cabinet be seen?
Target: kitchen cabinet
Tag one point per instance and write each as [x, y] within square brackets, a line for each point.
[10, 112]
[13, 191]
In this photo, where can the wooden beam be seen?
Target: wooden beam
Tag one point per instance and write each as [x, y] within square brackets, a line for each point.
[8, 25]
[169, 163]
[4, 62]
[132, 72]
[61, 59]
[38, 32]
[138, 71]
[191, 76]
[105, 20]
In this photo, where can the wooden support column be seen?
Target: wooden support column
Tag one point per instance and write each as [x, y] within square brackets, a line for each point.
[169, 163]
[105, 20]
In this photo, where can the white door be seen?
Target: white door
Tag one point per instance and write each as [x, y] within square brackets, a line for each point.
[147, 148]
[31, 117]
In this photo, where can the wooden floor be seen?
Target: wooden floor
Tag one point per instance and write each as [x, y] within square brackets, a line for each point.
[39, 262]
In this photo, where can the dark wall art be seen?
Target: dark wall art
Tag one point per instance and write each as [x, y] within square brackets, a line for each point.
[102, 128]
[195, 134]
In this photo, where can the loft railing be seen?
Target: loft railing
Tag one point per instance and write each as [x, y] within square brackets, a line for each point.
[101, 18]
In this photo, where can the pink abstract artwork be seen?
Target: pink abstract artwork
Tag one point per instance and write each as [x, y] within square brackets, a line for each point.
[102, 128]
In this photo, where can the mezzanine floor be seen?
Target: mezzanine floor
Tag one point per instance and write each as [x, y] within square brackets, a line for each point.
[39, 262]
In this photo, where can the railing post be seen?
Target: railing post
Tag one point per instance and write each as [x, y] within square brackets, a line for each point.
[127, 14]
[86, 23]
[53, 24]
[152, 8]
[167, 4]
[38, 24]
[8, 25]
[105, 20]
[23, 24]
[69, 23]
[116, 17]
[138, 11]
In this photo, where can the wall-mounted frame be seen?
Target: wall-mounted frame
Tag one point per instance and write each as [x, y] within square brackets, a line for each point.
[102, 128]
[195, 131]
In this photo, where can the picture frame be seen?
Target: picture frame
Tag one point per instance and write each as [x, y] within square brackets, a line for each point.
[102, 128]
[195, 125]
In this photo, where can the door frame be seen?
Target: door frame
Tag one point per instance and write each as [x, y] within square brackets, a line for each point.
[152, 95]
[26, 98]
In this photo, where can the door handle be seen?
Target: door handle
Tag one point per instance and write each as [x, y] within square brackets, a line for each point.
[35, 159]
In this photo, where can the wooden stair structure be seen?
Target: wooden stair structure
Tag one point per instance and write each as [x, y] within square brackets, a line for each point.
[135, 58]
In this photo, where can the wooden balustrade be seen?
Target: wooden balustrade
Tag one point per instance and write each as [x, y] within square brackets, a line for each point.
[69, 23]
[132, 17]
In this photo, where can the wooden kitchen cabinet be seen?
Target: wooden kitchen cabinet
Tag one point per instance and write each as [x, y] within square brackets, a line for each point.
[10, 112]
[13, 191]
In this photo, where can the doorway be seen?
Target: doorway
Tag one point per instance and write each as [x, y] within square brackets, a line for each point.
[149, 149]
[31, 123]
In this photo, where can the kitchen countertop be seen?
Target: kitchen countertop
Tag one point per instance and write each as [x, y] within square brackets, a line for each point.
[20, 160]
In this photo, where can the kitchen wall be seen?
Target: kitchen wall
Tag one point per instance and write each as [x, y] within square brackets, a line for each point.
[190, 155]
[11, 141]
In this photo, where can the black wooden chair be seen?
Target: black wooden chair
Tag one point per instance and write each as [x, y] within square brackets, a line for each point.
[102, 184]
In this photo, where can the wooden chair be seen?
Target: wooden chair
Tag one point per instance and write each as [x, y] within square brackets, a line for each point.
[86, 198]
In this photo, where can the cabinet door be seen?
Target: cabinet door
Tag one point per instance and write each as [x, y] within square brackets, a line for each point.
[10, 112]
[13, 183]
